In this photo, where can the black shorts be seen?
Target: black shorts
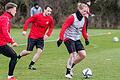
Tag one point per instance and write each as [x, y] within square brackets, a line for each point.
[73, 46]
[39, 43]
[7, 51]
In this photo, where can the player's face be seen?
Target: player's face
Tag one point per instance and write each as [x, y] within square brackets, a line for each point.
[84, 10]
[48, 11]
[13, 11]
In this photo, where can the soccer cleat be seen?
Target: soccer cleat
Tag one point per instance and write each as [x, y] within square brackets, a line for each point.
[68, 76]
[12, 78]
[32, 68]
[71, 72]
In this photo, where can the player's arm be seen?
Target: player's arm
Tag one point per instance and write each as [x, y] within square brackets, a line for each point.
[5, 31]
[84, 33]
[27, 22]
[51, 27]
[69, 21]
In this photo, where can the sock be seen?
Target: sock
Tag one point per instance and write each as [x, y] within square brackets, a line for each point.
[68, 71]
[73, 65]
[9, 77]
[32, 63]
[19, 56]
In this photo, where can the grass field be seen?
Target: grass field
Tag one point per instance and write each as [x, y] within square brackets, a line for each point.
[103, 57]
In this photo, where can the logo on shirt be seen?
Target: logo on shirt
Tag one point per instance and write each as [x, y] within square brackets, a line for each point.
[47, 22]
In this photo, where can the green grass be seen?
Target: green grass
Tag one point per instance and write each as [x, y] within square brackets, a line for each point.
[103, 57]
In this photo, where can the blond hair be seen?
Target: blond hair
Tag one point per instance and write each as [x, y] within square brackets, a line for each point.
[10, 5]
[81, 5]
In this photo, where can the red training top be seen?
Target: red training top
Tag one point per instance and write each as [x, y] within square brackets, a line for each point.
[40, 24]
[5, 29]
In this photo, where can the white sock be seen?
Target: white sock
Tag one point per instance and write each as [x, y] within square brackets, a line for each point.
[10, 76]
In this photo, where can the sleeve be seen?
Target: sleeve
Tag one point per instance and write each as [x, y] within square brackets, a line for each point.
[69, 21]
[27, 22]
[84, 32]
[5, 30]
[51, 27]
[31, 12]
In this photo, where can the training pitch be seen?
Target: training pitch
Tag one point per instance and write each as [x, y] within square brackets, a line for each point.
[103, 58]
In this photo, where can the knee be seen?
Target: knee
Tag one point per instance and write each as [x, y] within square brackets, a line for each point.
[28, 52]
[39, 51]
[73, 55]
[82, 54]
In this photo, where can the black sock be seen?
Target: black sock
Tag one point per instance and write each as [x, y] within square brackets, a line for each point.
[68, 71]
[19, 56]
[73, 65]
[32, 63]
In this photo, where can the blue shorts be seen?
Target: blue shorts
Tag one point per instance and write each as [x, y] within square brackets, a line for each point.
[39, 43]
[73, 46]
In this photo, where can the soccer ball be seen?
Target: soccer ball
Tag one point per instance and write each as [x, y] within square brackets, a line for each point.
[115, 39]
[87, 73]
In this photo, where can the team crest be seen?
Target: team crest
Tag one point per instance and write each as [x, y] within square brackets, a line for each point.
[47, 22]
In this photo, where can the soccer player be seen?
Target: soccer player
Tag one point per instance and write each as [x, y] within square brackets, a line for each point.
[35, 9]
[72, 29]
[5, 38]
[41, 29]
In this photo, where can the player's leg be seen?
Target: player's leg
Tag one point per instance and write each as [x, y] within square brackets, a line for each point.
[39, 46]
[81, 53]
[23, 53]
[9, 52]
[80, 57]
[70, 45]
[30, 46]
[35, 58]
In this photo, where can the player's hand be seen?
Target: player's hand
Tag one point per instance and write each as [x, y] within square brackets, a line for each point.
[86, 42]
[45, 37]
[59, 42]
[24, 33]
[14, 44]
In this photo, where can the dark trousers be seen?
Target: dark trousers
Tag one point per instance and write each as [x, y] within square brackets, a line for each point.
[9, 52]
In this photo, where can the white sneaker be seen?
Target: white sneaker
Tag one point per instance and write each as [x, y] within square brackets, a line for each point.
[71, 72]
[68, 76]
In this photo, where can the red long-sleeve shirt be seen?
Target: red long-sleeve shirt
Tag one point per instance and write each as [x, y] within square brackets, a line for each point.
[5, 29]
[69, 21]
[40, 24]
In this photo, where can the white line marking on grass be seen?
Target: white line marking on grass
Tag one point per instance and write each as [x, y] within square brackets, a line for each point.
[56, 39]
[108, 59]
[101, 34]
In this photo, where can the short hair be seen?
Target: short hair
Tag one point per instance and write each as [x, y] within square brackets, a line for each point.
[10, 5]
[48, 6]
[36, 4]
[81, 5]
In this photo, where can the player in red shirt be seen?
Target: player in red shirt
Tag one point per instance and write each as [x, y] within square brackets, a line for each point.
[41, 29]
[73, 28]
[5, 38]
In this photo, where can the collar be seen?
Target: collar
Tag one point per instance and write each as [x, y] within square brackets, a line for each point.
[79, 15]
[8, 14]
